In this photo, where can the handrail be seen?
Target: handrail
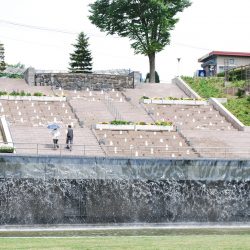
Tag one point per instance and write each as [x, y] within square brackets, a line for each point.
[133, 151]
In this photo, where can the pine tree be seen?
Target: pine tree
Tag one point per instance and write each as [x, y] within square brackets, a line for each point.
[81, 59]
[2, 63]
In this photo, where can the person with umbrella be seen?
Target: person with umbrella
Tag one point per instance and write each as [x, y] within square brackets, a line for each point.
[55, 134]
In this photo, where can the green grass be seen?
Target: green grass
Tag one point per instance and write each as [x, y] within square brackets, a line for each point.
[206, 87]
[144, 239]
[213, 87]
[240, 107]
[175, 242]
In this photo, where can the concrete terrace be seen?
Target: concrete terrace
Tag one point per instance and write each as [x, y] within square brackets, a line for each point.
[201, 130]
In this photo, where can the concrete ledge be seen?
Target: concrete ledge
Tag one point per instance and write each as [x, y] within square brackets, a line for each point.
[185, 88]
[175, 102]
[33, 98]
[227, 114]
[6, 132]
[134, 127]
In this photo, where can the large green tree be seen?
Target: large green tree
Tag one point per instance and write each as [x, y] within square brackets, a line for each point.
[147, 23]
[81, 59]
[2, 62]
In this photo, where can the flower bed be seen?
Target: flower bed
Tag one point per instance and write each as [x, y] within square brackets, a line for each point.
[158, 126]
[171, 100]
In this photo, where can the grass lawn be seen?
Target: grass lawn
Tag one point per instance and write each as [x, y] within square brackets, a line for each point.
[172, 239]
[131, 242]
[213, 87]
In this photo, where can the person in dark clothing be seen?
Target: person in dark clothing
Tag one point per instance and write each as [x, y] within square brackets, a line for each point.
[69, 139]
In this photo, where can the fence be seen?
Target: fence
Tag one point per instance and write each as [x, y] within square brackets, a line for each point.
[134, 151]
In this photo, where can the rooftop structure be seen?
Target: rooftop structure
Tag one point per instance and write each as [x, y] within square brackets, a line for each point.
[219, 61]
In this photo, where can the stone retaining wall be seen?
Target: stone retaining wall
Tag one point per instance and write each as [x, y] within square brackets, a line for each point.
[71, 81]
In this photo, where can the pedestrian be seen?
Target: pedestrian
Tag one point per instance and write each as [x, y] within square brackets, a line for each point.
[69, 139]
[55, 136]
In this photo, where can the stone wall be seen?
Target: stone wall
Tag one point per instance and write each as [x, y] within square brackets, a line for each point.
[79, 81]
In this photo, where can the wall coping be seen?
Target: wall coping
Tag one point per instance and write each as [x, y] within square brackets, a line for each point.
[6, 132]
[33, 98]
[185, 88]
[227, 114]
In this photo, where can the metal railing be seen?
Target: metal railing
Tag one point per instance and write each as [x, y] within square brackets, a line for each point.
[133, 151]
[49, 149]
[112, 109]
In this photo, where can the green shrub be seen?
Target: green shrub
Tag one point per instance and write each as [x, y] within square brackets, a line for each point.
[163, 123]
[206, 87]
[38, 94]
[145, 97]
[3, 93]
[5, 149]
[120, 122]
[240, 107]
[8, 75]
[14, 93]
[157, 78]
[22, 93]
[240, 93]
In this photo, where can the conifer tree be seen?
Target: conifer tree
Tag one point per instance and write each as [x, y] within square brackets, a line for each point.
[2, 62]
[81, 59]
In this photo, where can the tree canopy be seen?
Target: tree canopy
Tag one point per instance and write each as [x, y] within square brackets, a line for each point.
[81, 59]
[147, 23]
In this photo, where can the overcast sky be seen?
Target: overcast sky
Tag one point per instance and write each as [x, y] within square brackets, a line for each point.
[203, 27]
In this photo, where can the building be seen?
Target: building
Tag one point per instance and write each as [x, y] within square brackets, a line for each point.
[218, 61]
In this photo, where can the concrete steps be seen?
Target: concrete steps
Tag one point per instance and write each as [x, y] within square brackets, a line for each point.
[38, 139]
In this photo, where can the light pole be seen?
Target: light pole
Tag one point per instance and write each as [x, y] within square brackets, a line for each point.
[178, 66]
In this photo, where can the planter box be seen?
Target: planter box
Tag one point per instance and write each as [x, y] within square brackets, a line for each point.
[183, 102]
[147, 101]
[180, 102]
[154, 128]
[156, 101]
[134, 127]
[32, 98]
[114, 127]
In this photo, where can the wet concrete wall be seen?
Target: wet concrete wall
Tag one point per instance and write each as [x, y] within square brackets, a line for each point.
[35, 190]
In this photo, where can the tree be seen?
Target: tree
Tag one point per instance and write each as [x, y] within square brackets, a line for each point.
[2, 62]
[146, 22]
[81, 59]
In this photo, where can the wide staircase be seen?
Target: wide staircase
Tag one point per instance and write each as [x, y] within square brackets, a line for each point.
[219, 143]
[195, 117]
[201, 130]
[28, 121]
[144, 144]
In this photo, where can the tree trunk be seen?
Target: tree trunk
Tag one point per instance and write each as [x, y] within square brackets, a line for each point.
[151, 58]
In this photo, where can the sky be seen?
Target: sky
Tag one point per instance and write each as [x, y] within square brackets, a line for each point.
[41, 33]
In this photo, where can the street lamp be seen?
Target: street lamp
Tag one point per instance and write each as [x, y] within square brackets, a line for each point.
[178, 66]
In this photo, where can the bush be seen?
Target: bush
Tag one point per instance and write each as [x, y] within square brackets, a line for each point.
[38, 94]
[157, 78]
[5, 149]
[3, 93]
[10, 75]
[120, 122]
[240, 93]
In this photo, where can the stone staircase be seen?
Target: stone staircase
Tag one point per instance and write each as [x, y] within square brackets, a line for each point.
[38, 140]
[222, 144]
